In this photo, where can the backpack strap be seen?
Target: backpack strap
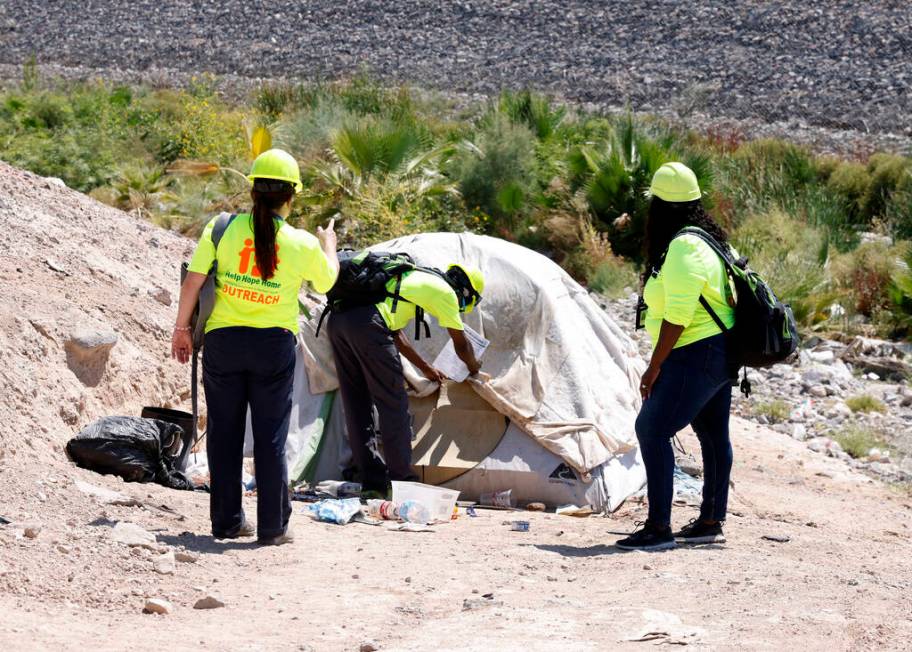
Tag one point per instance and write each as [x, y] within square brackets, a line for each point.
[396, 296]
[222, 222]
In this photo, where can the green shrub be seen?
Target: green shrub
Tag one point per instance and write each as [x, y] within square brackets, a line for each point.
[616, 173]
[888, 173]
[613, 277]
[776, 411]
[865, 403]
[864, 276]
[857, 440]
[532, 110]
[502, 180]
[791, 256]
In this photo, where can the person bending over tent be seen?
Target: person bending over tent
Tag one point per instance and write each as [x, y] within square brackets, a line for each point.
[366, 342]
[260, 262]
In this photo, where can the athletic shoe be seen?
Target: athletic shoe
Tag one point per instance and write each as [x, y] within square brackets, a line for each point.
[648, 537]
[277, 540]
[698, 531]
[245, 530]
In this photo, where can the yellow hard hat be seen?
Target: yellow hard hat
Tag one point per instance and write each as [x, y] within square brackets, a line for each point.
[675, 182]
[471, 296]
[279, 165]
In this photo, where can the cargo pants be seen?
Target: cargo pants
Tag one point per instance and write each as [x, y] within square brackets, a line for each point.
[370, 375]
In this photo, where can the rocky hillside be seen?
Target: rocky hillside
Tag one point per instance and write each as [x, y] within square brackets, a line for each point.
[87, 304]
[837, 65]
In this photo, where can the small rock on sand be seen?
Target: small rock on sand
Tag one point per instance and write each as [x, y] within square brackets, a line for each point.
[132, 535]
[186, 557]
[164, 564]
[32, 531]
[157, 606]
[209, 602]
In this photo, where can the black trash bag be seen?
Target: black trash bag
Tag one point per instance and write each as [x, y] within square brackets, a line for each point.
[134, 448]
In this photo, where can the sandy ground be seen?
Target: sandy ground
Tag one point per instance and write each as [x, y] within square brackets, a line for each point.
[842, 581]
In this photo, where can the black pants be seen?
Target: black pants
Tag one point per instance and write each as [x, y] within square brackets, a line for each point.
[248, 366]
[693, 388]
[370, 374]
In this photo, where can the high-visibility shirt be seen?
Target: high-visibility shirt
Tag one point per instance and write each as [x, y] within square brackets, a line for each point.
[426, 290]
[243, 297]
[691, 268]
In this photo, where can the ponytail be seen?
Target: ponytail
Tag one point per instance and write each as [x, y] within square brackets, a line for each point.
[268, 196]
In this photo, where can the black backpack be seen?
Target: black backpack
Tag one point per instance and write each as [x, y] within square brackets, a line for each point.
[765, 331]
[363, 280]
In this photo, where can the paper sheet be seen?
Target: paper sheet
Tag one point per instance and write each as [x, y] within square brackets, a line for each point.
[449, 363]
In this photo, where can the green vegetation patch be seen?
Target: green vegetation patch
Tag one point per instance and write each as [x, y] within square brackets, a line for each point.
[865, 403]
[857, 440]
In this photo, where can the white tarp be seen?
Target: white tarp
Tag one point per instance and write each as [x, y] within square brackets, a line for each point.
[560, 369]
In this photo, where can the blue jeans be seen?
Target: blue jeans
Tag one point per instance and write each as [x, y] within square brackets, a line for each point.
[248, 366]
[693, 387]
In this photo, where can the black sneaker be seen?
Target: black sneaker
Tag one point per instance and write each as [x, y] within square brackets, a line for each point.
[698, 531]
[648, 537]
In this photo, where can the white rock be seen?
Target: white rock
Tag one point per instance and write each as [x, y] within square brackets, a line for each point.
[158, 606]
[818, 391]
[131, 534]
[209, 602]
[164, 564]
[824, 357]
[799, 431]
[872, 376]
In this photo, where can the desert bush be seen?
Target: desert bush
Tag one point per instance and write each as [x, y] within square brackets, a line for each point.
[865, 277]
[501, 181]
[865, 403]
[792, 257]
[776, 411]
[851, 180]
[762, 174]
[857, 440]
[532, 110]
[616, 173]
[900, 291]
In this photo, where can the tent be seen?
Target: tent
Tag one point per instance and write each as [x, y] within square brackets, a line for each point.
[554, 423]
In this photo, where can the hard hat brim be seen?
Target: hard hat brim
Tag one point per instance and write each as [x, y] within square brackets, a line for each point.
[298, 186]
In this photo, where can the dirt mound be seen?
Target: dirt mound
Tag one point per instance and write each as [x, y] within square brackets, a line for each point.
[88, 300]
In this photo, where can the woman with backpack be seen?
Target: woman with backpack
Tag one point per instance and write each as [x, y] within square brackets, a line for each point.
[688, 380]
[260, 263]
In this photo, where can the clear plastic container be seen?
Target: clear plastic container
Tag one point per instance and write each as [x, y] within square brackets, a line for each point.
[438, 500]
[411, 511]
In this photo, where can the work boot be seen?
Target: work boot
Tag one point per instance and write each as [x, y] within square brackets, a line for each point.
[648, 537]
[277, 540]
[699, 531]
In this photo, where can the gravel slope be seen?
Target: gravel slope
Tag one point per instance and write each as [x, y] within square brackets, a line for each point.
[845, 65]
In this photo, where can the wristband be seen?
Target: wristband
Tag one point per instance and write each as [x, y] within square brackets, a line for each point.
[183, 329]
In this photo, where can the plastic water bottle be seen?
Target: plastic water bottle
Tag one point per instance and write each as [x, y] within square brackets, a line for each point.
[384, 509]
[412, 511]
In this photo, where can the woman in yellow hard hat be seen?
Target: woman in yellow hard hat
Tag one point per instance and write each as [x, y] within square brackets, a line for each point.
[249, 348]
[688, 381]
[367, 341]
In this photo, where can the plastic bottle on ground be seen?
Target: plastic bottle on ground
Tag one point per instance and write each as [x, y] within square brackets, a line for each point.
[385, 509]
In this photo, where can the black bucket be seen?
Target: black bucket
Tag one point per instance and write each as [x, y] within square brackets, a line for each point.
[177, 417]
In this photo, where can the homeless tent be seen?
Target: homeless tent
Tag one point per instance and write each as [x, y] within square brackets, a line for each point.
[555, 421]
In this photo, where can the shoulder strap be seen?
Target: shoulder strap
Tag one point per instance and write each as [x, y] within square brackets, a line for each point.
[222, 222]
[724, 253]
